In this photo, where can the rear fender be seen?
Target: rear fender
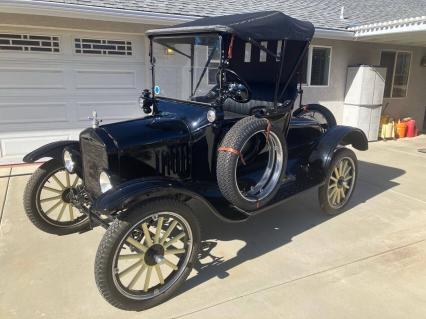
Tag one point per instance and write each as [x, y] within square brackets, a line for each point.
[51, 150]
[130, 194]
[334, 138]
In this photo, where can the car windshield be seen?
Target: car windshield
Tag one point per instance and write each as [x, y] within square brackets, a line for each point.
[185, 66]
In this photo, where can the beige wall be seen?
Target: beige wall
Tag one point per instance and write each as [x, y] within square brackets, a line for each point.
[345, 53]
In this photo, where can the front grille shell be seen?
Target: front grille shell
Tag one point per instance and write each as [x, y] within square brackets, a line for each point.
[95, 160]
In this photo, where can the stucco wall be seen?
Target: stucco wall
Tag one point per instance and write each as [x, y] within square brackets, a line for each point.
[345, 53]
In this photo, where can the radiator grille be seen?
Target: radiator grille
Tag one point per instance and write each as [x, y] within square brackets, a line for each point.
[94, 161]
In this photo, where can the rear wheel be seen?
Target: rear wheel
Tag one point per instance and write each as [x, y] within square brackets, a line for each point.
[340, 182]
[144, 257]
[47, 200]
[317, 112]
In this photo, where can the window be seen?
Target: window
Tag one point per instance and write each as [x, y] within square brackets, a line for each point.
[247, 52]
[29, 43]
[102, 47]
[262, 55]
[316, 66]
[214, 64]
[397, 64]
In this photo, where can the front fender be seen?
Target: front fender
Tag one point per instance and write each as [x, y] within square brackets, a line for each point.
[337, 136]
[52, 150]
[134, 192]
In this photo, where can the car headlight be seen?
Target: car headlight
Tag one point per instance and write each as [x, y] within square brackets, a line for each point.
[69, 162]
[105, 182]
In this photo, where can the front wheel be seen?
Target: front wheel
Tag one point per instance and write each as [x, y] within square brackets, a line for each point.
[340, 182]
[47, 200]
[145, 256]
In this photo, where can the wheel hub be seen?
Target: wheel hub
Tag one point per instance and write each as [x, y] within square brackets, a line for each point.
[154, 255]
[66, 195]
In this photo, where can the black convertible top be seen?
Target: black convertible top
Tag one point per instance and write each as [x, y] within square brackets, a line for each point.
[265, 25]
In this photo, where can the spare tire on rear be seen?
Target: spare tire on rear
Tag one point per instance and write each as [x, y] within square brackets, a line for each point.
[251, 183]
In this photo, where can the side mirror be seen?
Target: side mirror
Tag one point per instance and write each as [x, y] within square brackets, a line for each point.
[238, 92]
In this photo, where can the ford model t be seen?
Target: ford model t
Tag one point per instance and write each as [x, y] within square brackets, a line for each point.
[218, 130]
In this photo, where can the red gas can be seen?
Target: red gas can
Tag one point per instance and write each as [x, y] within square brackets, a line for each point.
[411, 128]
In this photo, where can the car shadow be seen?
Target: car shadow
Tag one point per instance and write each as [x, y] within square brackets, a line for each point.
[272, 229]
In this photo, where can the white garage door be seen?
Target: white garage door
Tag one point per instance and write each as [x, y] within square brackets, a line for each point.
[50, 82]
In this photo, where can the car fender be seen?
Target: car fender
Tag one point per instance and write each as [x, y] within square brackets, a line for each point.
[132, 193]
[334, 138]
[51, 150]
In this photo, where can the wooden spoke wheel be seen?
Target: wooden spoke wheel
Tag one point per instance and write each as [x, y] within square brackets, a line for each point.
[340, 182]
[148, 254]
[47, 200]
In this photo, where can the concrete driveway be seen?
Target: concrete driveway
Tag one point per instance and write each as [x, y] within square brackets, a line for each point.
[292, 262]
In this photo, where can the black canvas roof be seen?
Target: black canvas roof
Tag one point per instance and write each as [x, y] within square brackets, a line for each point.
[265, 25]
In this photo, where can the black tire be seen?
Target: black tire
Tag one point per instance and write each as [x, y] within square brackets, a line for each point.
[34, 208]
[325, 191]
[108, 255]
[228, 162]
[317, 112]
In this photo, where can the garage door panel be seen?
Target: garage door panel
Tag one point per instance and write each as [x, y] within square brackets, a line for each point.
[108, 111]
[14, 113]
[105, 79]
[31, 78]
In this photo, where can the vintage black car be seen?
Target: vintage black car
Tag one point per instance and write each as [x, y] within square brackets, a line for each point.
[218, 130]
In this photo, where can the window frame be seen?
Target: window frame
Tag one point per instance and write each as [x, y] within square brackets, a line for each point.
[208, 69]
[309, 66]
[394, 69]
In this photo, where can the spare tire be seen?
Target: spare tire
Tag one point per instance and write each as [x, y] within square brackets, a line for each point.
[251, 185]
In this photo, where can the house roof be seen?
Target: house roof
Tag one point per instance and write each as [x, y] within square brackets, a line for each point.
[322, 13]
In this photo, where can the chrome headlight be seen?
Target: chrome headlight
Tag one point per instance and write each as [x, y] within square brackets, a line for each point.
[105, 182]
[69, 162]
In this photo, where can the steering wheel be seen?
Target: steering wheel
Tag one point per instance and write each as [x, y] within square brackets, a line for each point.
[238, 90]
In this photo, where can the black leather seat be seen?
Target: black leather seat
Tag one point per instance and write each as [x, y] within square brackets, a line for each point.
[262, 96]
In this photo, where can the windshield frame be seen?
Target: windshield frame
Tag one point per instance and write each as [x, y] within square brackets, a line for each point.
[152, 39]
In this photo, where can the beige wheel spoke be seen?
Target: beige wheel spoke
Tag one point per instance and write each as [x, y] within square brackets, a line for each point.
[130, 256]
[71, 212]
[345, 164]
[345, 185]
[342, 193]
[147, 279]
[174, 251]
[50, 199]
[130, 268]
[174, 239]
[347, 178]
[340, 168]
[330, 195]
[158, 230]
[74, 184]
[64, 205]
[333, 199]
[334, 179]
[136, 277]
[159, 274]
[68, 179]
[168, 231]
[62, 186]
[147, 234]
[137, 244]
[170, 264]
[53, 207]
[57, 191]
[338, 196]
[345, 174]
[336, 172]
[332, 185]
